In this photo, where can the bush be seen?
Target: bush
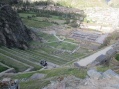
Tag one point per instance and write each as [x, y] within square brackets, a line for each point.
[28, 17]
[117, 57]
[113, 36]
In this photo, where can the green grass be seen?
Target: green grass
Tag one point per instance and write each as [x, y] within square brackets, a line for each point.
[63, 45]
[71, 40]
[19, 57]
[55, 17]
[117, 57]
[50, 75]
[47, 37]
[36, 84]
[12, 63]
[36, 24]
[69, 57]
[64, 71]
[33, 21]
[20, 76]
[53, 74]
[33, 55]
[2, 68]
[47, 57]
[102, 68]
[46, 48]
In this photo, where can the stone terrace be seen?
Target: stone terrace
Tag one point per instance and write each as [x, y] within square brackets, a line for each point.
[93, 37]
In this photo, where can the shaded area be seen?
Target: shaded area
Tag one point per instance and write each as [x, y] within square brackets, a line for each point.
[13, 33]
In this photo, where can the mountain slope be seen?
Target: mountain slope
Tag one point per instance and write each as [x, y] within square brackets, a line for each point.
[13, 33]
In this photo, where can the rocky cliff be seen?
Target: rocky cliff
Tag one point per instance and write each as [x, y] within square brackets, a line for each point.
[13, 33]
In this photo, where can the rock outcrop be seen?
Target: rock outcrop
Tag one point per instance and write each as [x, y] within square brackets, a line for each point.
[94, 80]
[13, 33]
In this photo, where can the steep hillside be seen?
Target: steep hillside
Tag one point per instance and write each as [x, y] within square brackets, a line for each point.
[13, 33]
[76, 3]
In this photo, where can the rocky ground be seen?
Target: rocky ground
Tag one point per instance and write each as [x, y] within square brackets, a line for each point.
[94, 80]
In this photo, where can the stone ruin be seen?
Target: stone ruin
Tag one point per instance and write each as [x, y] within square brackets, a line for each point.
[94, 80]
[8, 83]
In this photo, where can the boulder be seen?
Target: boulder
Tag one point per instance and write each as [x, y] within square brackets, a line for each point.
[94, 74]
[76, 65]
[111, 52]
[37, 76]
[100, 60]
[110, 74]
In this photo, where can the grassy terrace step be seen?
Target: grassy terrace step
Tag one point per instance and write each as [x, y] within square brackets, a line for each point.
[33, 23]
[69, 56]
[41, 52]
[20, 58]
[47, 57]
[47, 37]
[3, 68]
[50, 75]
[35, 56]
[18, 66]
[66, 56]
[48, 50]
[63, 45]
[22, 53]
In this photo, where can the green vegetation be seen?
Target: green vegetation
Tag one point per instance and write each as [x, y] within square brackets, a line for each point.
[102, 68]
[36, 84]
[18, 66]
[36, 24]
[32, 19]
[51, 75]
[25, 75]
[19, 57]
[117, 57]
[3, 68]
[65, 71]
[71, 40]
[51, 52]
[112, 38]
[45, 17]
[63, 45]
[47, 37]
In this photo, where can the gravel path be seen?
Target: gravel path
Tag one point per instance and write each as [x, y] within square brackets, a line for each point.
[85, 61]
